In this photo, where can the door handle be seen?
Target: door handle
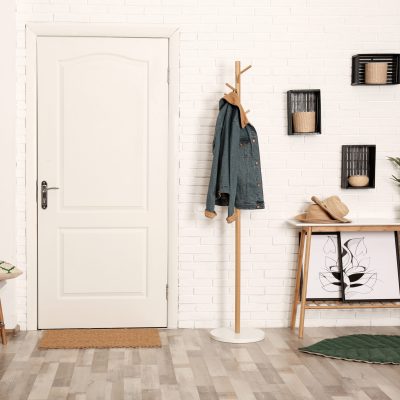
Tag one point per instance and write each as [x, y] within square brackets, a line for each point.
[43, 190]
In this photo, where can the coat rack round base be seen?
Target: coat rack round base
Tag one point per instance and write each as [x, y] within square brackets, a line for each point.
[246, 335]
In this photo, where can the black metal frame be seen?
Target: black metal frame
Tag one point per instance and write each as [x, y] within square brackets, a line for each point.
[293, 96]
[364, 158]
[358, 68]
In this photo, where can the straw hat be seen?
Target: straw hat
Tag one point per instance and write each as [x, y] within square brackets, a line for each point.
[333, 206]
[8, 271]
[330, 210]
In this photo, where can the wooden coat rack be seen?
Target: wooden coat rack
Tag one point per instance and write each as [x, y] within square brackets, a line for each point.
[238, 335]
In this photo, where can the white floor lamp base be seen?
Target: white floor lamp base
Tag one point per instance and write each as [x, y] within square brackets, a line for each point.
[246, 335]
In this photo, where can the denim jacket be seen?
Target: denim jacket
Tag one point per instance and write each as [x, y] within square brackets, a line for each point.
[235, 179]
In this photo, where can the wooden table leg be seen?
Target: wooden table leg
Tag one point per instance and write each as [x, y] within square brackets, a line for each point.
[298, 278]
[2, 327]
[305, 281]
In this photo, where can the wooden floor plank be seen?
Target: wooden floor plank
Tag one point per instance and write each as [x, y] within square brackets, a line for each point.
[192, 366]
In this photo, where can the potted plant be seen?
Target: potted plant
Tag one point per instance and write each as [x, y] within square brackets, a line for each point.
[396, 162]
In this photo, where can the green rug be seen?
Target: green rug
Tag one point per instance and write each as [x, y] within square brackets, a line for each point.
[375, 349]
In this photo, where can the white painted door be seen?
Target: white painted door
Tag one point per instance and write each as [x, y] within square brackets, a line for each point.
[102, 139]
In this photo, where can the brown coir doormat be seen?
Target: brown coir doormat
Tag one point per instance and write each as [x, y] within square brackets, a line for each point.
[99, 338]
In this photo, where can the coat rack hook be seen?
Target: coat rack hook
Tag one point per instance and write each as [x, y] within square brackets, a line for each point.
[230, 87]
[244, 70]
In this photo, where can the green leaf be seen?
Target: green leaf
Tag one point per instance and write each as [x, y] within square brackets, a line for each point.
[396, 162]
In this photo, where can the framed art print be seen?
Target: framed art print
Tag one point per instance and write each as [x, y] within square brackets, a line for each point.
[324, 270]
[370, 263]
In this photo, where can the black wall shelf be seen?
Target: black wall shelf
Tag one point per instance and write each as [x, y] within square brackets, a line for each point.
[358, 68]
[358, 160]
[301, 101]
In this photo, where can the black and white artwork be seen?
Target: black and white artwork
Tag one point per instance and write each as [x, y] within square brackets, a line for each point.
[370, 265]
[324, 270]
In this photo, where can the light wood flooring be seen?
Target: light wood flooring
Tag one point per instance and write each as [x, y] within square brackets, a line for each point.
[190, 365]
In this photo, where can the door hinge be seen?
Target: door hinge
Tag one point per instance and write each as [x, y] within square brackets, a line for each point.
[166, 291]
[168, 76]
[36, 191]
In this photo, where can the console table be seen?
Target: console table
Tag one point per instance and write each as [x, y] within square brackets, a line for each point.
[3, 335]
[306, 231]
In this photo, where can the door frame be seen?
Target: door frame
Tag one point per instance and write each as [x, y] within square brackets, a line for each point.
[35, 30]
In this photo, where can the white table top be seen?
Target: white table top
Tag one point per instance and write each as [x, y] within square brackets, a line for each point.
[354, 222]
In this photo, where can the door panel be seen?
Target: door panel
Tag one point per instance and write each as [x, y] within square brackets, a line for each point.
[106, 78]
[91, 253]
[102, 139]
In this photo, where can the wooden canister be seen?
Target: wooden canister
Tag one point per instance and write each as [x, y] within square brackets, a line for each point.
[376, 73]
[304, 122]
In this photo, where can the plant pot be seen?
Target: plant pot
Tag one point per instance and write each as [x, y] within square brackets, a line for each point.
[376, 73]
[304, 122]
[358, 180]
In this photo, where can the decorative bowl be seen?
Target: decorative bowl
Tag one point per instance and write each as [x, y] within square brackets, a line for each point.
[358, 180]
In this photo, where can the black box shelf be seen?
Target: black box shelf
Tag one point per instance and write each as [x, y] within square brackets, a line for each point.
[358, 68]
[358, 160]
[304, 101]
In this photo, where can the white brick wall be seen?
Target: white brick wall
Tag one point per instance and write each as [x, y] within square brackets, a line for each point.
[291, 44]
